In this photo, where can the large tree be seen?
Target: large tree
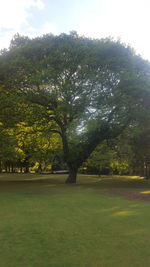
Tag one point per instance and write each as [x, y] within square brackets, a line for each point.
[85, 90]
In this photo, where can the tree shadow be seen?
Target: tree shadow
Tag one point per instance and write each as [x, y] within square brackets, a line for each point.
[84, 181]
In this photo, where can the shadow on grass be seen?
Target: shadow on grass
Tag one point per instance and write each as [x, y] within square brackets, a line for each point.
[108, 182]
[102, 182]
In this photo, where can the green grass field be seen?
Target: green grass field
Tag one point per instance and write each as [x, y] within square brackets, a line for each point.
[44, 222]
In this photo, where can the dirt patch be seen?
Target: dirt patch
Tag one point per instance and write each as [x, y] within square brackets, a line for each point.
[140, 194]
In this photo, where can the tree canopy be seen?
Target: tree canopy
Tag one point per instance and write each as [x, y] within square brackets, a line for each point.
[83, 90]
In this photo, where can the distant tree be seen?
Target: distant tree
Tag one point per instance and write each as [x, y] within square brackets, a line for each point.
[38, 147]
[140, 148]
[87, 91]
[100, 160]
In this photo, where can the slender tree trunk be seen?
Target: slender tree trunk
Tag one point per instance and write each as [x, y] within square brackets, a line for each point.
[0, 166]
[148, 176]
[147, 171]
[9, 168]
[39, 168]
[6, 168]
[141, 169]
[26, 169]
[12, 168]
[72, 176]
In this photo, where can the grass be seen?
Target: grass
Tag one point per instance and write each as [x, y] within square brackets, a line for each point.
[44, 222]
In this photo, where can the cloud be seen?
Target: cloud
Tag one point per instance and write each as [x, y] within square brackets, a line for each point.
[39, 4]
[14, 17]
[127, 20]
[15, 13]
[48, 28]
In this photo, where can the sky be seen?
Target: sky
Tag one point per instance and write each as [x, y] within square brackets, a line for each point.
[127, 20]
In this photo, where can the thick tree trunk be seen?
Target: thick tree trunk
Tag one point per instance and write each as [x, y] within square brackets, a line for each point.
[72, 170]
[72, 176]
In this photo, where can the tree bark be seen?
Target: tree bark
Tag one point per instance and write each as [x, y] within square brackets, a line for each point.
[26, 169]
[12, 168]
[71, 179]
[0, 166]
[147, 171]
[72, 176]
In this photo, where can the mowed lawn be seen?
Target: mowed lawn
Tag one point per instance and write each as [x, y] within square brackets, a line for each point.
[44, 222]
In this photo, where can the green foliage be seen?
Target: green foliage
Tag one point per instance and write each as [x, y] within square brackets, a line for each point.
[100, 160]
[86, 91]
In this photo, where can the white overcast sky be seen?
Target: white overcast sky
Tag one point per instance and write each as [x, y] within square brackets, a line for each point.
[128, 20]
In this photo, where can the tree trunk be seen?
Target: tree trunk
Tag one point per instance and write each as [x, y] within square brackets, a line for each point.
[147, 170]
[12, 168]
[0, 166]
[26, 169]
[71, 179]
[72, 176]
[9, 169]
